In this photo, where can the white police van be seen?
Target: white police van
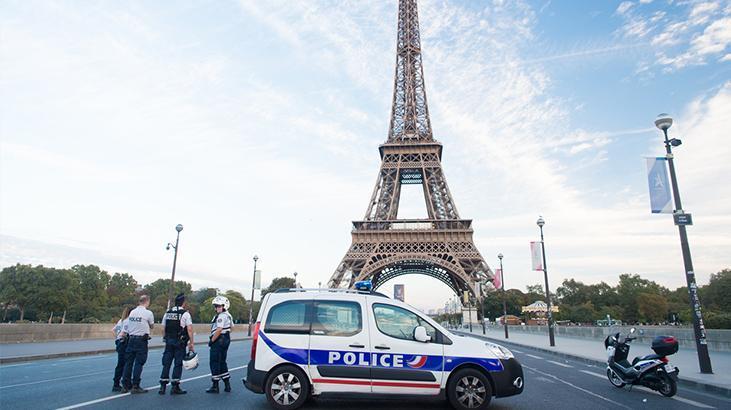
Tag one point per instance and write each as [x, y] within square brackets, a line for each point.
[309, 342]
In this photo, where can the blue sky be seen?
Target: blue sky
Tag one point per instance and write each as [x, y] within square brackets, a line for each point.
[256, 125]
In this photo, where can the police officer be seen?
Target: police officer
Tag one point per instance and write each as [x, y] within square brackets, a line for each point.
[219, 342]
[139, 325]
[178, 332]
[120, 341]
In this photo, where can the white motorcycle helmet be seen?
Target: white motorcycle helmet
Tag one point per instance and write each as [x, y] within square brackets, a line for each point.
[190, 361]
[221, 300]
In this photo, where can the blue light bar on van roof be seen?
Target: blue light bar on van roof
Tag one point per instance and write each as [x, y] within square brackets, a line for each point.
[364, 285]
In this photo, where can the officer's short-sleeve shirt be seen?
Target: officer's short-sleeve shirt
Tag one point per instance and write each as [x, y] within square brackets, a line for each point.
[224, 321]
[120, 327]
[186, 320]
[139, 321]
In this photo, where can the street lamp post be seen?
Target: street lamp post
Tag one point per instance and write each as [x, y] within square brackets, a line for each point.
[178, 228]
[295, 279]
[549, 315]
[482, 306]
[505, 302]
[663, 122]
[251, 305]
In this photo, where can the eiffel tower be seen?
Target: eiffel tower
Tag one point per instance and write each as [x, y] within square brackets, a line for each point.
[385, 246]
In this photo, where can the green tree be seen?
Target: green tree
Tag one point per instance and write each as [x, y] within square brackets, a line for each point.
[652, 307]
[121, 290]
[158, 293]
[717, 294]
[628, 290]
[20, 286]
[92, 291]
[238, 308]
[57, 291]
[278, 283]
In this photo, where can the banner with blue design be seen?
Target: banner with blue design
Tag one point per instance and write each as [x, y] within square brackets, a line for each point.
[659, 184]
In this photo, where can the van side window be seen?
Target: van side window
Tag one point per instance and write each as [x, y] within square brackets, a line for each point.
[290, 317]
[337, 318]
[400, 323]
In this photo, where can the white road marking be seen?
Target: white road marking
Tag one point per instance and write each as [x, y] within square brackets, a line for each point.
[53, 380]
[593, 374]
[517, 351]
[680, 399]
[559, 363]
[535, 357]
[116, 396]
[577, 387]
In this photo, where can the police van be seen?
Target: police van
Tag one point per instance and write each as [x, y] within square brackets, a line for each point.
[312, 342]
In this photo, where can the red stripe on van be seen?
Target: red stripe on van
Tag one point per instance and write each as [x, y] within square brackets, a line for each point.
[378, 383]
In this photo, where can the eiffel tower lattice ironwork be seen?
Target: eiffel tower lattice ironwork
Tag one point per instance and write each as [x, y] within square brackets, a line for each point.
[384, 246]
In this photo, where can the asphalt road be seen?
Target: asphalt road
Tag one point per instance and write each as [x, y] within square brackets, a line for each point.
[85, 382]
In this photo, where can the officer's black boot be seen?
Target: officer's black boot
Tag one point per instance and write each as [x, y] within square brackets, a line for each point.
[213, 388]
[116, 387]
[227, 385]
[163, 385]
[137, 390]
[176, 389]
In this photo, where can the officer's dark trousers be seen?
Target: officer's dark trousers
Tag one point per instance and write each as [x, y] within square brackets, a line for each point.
[121, 359]
[135, 358]
[219, 350]
[174, 349]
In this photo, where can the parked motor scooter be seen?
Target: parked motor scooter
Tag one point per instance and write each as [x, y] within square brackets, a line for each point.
[653, 371]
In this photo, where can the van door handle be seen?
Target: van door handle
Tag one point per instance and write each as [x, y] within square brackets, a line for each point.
[383, 347]
[356, 345]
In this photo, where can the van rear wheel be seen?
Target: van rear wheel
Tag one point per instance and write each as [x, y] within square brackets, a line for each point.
[469, 389]
[287, 388]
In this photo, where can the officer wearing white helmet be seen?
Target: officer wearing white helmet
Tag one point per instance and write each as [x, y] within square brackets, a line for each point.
[219, 342]
[178, 332]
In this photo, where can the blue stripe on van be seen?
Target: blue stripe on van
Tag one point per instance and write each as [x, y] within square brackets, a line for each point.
[381, 360]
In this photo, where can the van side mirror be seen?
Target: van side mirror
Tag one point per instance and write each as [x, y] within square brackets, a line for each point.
[420, 334]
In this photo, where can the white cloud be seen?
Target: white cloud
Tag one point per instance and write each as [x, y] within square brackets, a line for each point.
[624, 7]
[684, 34]
[268, 145]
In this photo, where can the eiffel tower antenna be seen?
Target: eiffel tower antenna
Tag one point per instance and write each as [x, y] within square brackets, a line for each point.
[384, 246]
[409, 112]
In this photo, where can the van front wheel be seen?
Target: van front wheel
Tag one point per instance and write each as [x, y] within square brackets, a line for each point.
[287, 388]
[469, 389]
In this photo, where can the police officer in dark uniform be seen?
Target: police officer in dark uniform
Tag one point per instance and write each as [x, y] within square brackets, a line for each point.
[178, 332]
[139, 325]
[219, 341]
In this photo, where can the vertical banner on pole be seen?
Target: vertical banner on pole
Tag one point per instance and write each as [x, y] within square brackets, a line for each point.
[536, 256]
[398, 292]
[257, 279]
[497, 280]
[657, 180]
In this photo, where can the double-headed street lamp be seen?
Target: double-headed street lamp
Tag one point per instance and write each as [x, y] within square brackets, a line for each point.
[178, 228]
[295, 279]
[505, 302]
[663, 122]
[549, 315]
[251, 305]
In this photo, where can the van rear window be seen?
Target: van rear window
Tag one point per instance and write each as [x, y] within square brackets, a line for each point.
[290, 317]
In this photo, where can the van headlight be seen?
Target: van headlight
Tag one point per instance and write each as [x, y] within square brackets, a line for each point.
[499, 351]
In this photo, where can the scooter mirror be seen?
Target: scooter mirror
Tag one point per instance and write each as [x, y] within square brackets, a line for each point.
[631, 331]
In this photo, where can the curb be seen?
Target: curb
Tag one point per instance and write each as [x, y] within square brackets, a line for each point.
[713, 388]
[17, 359]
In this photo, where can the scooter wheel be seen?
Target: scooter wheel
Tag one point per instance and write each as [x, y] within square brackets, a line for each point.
[614, 379]
[669, 387]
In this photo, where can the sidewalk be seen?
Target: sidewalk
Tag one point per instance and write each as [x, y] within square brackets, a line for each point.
[20, 352]
[592, 351]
